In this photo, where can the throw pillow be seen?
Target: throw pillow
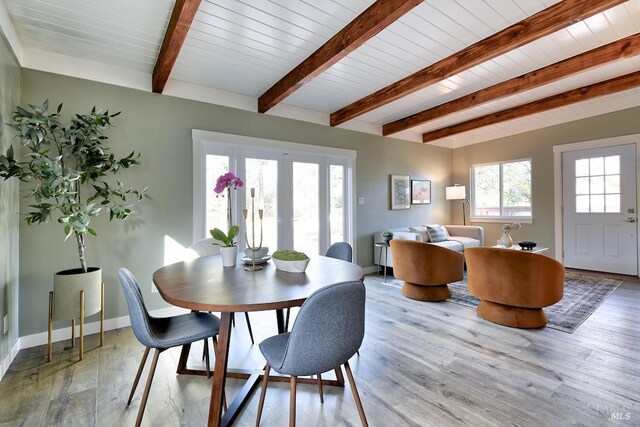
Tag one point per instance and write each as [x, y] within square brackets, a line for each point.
[437, 233]
[422, 230]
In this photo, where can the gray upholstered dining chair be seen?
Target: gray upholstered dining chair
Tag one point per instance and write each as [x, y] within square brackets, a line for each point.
[161, 333]
[207, 247]
[338, 250]
[325, 335]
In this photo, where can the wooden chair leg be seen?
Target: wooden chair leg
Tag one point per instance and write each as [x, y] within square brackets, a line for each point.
[81, 349]
[356, 396]
[246, 316]
[263, 393]
[140, 368]
[206, 357]
[145, 396]
[292, 405]
[73, 333]
[320, 388]
[50, 328]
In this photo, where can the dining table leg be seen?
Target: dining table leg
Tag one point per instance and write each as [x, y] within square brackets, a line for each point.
[220, 369]
[280, 321]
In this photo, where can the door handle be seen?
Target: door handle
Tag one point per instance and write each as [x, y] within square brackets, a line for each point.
[629, 220]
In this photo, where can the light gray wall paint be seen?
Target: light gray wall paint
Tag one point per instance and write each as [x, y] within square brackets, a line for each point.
[538, 145]
[160, 128]
[9, 206]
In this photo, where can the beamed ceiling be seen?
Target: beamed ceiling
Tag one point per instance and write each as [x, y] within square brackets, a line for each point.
[443, 72]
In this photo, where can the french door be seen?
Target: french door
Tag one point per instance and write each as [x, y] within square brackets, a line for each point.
[305, 197]
[599, 209]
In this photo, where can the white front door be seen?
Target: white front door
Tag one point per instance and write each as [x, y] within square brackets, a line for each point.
[599, 209]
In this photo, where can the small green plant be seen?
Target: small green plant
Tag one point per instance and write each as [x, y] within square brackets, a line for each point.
[289, 255]
[226, 239]
[387, 235]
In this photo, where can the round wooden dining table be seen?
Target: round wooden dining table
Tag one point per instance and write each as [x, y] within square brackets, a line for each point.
[203, 284]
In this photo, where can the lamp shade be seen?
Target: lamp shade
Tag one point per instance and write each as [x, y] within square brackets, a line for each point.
[457, 192]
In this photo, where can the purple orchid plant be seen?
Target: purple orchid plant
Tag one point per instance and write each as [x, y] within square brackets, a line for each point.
[227, 181]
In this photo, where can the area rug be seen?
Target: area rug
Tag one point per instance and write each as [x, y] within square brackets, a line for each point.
[583, 293]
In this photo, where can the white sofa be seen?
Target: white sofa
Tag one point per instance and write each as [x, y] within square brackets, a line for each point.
[460, 237]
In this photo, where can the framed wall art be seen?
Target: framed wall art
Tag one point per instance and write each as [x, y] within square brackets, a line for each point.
[420, 192]
[400, 194]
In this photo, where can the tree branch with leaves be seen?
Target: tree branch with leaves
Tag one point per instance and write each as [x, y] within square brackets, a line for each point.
[67, 166]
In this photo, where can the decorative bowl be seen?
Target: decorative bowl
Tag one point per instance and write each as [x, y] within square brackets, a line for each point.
[291, 266]
[527, 245]
[260, 253]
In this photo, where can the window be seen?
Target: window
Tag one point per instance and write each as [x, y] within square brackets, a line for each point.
[306, 191]
[598, 185]
[501, 190]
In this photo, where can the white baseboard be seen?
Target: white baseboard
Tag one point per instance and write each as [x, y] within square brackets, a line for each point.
[33, 340]
[6, 362]
[369, 270]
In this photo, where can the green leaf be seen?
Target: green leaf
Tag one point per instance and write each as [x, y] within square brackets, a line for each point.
[92, 231]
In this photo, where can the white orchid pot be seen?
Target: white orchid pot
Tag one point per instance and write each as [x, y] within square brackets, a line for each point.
[229, 255]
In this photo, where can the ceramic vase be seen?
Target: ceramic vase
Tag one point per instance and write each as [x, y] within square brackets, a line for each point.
[505, 240]
[229, 255]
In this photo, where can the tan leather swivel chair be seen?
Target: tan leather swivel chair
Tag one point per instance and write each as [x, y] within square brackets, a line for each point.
[513, 285]
[426, 269]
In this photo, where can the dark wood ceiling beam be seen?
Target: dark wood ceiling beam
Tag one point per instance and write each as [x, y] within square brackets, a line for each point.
[623, 48]
[376, 18]
[607, 87]
[550, 20]
[181, 18]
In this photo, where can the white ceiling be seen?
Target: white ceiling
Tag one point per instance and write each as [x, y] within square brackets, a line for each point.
[241, 48]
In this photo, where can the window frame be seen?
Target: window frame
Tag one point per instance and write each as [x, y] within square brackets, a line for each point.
[499, 218]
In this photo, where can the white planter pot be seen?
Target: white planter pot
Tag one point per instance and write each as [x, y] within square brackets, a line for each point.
[67, 285]
[229, 255]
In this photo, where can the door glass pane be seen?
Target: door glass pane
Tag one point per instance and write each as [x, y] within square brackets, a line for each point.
[216, 205]
[597, 203]
[612, 165]
[306, 219]
[612, 184]
[582, 185]
[597, 184]
[596, 166]
[262, 175]
[582, 167]
[612, 203]
[336, 203]
[582, 204]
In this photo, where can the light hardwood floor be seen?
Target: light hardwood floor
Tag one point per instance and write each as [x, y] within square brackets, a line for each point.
[421, 364]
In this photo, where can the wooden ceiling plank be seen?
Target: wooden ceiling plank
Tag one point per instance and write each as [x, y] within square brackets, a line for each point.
[376, 18]
[181, 18]
[607, 87]
[623, 48]
[543, 23]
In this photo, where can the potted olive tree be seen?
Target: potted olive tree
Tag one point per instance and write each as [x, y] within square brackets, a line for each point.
[68, 166]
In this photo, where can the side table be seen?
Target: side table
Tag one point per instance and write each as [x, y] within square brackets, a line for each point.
[384, 246]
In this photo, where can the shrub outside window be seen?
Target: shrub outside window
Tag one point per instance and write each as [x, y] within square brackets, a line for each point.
[501, 190]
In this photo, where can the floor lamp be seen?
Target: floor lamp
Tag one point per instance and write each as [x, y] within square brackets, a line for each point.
[458, 192]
